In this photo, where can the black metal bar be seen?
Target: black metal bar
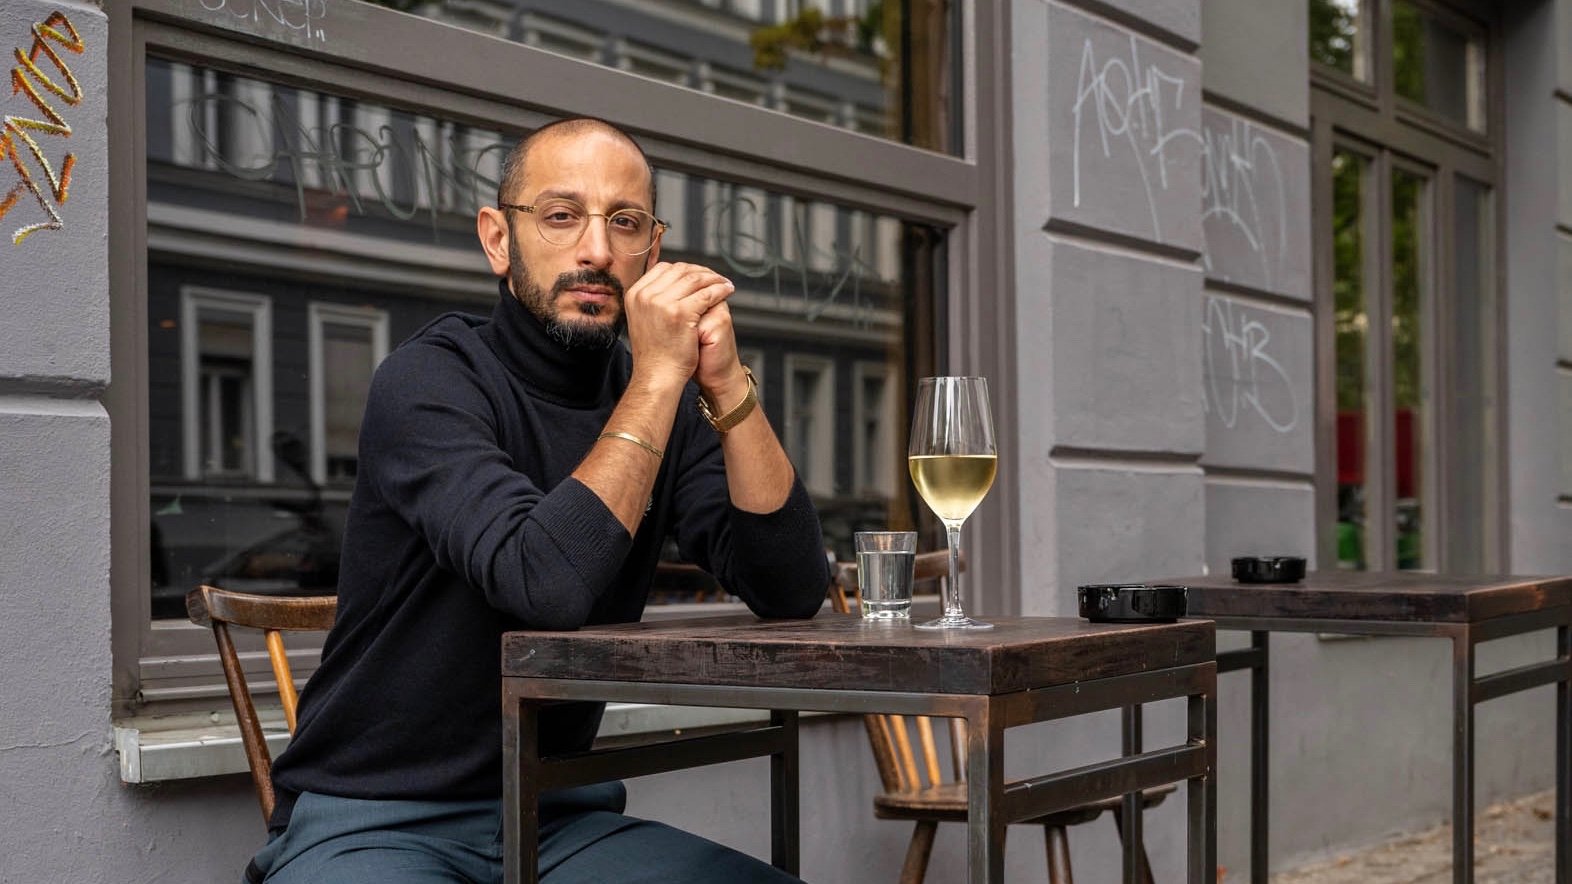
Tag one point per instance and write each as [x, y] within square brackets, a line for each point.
[985, 794]
[521, 789]
[511, 843]
[1517, 624]
[1063, 701]
[1130, 805]
[1240, 658]
[602, 765]
[785, 831]
[1035, 797]
[1510, 681]
[739, 697]
[1462, 758]
[1330, 624]
[1260, 758]
[1201, 790]
[1209, 783]
[1563, 767]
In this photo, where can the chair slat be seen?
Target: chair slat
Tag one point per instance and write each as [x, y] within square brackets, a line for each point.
[287, 696]
[903, 747]
[930, 755]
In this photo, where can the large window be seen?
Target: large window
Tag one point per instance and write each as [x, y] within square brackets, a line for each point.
[1406, 288]
[291, 211]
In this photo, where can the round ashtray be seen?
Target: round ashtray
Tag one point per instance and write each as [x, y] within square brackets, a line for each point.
[1132, 603]
[1269, 569]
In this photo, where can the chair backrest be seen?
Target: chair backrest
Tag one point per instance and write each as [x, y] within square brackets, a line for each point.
[891, 736]
[274, 615]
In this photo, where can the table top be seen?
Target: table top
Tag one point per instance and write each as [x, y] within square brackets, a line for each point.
[842, 652]
[1377, 595]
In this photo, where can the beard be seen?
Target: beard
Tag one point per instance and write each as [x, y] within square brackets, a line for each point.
[573, 334]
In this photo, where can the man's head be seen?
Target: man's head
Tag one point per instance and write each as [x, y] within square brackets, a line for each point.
[591, 170]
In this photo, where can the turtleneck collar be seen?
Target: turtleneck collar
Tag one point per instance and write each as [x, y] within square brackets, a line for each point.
[520, 340]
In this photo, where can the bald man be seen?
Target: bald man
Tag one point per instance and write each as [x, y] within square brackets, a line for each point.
[523, 470]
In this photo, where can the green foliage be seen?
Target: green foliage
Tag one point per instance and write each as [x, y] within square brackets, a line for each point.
[1332, 34]
[1408, 51]
[813, 32]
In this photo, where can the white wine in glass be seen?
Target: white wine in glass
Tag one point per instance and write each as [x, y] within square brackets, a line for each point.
[953, 460]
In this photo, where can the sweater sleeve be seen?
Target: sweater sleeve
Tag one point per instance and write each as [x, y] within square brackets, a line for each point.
[775, 562]
[430, 446]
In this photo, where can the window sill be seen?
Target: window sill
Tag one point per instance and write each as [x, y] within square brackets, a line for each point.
[155, 749]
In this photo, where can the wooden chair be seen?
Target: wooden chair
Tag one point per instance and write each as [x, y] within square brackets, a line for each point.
[274, 615]
[917, 790]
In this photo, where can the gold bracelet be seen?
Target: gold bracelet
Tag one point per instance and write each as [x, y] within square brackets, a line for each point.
[618, 434]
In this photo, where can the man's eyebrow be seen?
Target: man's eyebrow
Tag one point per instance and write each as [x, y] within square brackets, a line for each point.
[616, 205]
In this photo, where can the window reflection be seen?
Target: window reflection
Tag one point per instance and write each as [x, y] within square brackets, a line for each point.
[1339, 35]
[1437, 65]
[1351, 325]
[294, 236]
[1409, 389]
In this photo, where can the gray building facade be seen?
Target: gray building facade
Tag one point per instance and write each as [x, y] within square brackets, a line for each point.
[1286, 277]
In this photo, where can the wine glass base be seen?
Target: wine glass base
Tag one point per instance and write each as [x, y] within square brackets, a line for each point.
[961, 622]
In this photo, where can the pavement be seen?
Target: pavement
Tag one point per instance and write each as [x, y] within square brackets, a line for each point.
[1513, 844]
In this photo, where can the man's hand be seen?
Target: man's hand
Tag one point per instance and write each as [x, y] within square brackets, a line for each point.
[719, 372]
[665, 310]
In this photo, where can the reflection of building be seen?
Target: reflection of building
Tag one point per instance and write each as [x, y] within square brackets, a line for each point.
[257, 333]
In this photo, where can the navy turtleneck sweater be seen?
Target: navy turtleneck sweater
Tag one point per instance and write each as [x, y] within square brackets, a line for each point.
[465, 523]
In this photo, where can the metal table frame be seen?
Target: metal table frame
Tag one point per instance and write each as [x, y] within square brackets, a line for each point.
[1468, 690]
[993, 803]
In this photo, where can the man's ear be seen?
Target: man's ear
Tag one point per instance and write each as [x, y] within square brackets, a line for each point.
[491, 225]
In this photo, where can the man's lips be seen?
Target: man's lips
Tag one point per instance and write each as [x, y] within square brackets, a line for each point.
[592, 294]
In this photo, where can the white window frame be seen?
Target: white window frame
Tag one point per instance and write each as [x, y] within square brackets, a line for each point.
[882, 482]
[818, 479]
[320, 314]
[193, 301]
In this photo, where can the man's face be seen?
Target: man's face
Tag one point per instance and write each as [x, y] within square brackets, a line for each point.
[576, 290]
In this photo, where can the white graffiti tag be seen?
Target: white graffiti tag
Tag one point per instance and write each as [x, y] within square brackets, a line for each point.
[1242, 186]
[304, 17]
[1131, 104]
[1239, 370]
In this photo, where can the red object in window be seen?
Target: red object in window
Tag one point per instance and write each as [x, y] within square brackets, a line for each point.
[1350, 448]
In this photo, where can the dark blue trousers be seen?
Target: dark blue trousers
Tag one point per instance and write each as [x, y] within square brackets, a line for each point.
[584, 837]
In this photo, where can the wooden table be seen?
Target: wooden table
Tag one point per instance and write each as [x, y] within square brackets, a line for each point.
[1467, 610]
[1026, 670]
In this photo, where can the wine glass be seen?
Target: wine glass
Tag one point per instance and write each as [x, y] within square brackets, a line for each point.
[953, 460]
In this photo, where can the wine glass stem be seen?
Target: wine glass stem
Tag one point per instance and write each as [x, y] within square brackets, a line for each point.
[952, 589]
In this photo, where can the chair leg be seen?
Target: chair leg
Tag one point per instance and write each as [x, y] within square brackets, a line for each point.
[918, 851]
[1146, 861]
[1058, 842]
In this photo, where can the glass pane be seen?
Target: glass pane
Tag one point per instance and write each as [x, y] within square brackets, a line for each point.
[347, 362]
[1437, 65]
[1471, 393]
[1351, 323]
[281, 197]
[1409, 390]
[1338, 36]
[834, 61]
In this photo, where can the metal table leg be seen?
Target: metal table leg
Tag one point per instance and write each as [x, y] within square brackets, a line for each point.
[1201, 791]
[1260, 755]
[1563, 768]
[785, 852]
[985, 821]
[520, 789]
[1130, 808]
[1462, 756]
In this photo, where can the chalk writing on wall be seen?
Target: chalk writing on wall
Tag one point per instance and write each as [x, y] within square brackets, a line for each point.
[36, 175]
[301, 17]
[1127, 106]
[1242, 187]
[1242, 375]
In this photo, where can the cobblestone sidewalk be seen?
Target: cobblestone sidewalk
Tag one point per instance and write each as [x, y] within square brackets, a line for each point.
[1513, 844]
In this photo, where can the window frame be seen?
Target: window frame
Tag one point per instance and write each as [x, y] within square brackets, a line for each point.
[818, 478]
[881, 482]
[194, 300]
[320, 314]
[161, 662]
[1391, 135]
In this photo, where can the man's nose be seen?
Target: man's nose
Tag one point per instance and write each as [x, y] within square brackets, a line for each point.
[594, 247]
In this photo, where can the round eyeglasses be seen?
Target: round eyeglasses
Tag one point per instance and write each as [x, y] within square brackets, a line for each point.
[562, 222]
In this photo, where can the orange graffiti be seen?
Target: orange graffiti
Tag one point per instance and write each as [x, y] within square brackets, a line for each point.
[14, 130]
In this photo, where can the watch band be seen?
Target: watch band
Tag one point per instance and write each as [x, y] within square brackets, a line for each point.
[736, 415]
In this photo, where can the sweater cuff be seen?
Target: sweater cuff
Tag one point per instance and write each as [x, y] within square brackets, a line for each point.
[586, 531]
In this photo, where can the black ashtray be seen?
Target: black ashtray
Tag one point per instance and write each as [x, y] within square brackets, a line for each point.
[1269, 569]
[1132, 603]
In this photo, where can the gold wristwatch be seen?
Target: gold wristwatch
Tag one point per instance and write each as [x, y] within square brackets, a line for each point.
[736, 416]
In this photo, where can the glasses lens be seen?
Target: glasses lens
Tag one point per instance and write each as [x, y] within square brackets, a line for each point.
[561, 222]
[631, 231]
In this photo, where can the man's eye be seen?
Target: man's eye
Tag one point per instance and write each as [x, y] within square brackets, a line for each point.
[628, 223]
[560, 216]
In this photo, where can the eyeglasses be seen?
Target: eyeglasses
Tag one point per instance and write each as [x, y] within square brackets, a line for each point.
[562, 222]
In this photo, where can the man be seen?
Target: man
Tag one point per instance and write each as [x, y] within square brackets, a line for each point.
[524, 471]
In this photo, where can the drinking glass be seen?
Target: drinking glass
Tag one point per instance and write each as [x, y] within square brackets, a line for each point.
[953, 459]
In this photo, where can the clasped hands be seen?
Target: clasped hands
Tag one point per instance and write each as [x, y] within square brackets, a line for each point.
[679, 327]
